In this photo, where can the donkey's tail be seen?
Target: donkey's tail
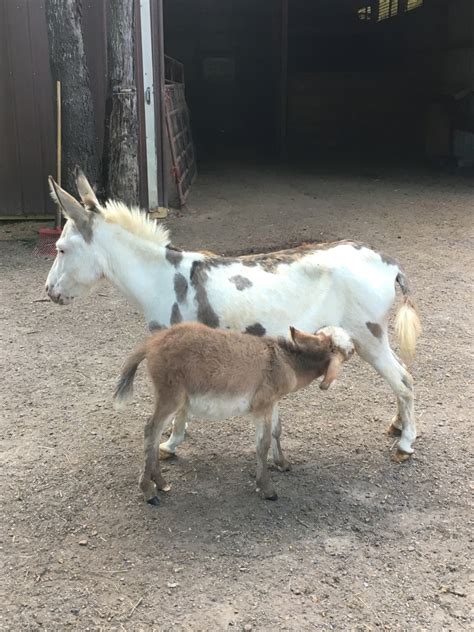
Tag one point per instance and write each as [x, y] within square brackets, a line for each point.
[407, 321]
[124, 389]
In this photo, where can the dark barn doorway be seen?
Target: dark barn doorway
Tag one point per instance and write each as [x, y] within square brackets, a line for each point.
[230, 50]
[375, 80]
[379, 78]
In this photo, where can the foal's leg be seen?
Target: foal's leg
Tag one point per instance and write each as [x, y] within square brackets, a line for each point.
[263, 436]
[378, 353]
[277, 453]
[151, 478]
[168, 448]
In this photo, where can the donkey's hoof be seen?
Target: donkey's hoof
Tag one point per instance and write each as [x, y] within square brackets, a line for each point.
[393, 431]
[154, 500]
[284, 467]
[399, 456]
[165, 455]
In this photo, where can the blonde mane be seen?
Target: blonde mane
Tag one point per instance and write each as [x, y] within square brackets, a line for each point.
[135, 221]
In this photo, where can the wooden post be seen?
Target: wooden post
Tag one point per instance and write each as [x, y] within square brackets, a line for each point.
[121, 147]
[69, 66]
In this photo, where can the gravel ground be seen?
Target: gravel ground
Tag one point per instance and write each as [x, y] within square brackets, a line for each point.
[355, 541]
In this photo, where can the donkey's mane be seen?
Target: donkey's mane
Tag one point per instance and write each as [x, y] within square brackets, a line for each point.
[135, 221]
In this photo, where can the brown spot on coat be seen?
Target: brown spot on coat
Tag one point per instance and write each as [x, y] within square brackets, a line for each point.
[389, 260]
[375, 329]
[205, 311]
[180, 287]
[241, 282]
[270, 261]
[176, 316]
[256, 330]
[174, 255]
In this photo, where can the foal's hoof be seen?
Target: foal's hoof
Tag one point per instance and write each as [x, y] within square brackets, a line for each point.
[269, 495]
[399, 456]
[393, 431]
[284, 467]
[154, 500]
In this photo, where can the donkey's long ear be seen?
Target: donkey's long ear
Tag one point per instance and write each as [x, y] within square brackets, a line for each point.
[72, 209]
[86, 192]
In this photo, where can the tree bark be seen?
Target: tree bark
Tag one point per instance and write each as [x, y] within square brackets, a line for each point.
[121, 140]
[69, 65]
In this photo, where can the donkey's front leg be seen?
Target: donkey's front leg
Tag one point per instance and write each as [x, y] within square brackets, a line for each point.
[264, 436]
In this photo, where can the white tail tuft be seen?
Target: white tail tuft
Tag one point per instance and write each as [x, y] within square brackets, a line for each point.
[407, 328]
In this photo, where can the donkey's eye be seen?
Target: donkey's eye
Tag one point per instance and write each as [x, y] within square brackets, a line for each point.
[61, 251]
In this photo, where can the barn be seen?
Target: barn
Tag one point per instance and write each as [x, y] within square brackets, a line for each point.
[388, 78]
[385, 81]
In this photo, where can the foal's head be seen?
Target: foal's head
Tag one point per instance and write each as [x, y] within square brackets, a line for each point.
[330, 346]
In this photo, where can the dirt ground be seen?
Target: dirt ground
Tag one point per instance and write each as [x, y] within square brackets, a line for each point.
[355, 541]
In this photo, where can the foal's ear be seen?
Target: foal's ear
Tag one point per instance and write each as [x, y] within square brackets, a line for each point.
[297, 336]
[86, 192]
[72, 210]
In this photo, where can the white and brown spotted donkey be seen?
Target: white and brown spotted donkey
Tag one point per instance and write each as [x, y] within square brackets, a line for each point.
[344, 284]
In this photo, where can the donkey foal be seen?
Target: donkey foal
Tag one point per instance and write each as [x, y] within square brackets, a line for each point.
[215, 374]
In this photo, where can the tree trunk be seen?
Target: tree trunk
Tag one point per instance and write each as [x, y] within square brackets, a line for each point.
[121, 142]
[69, 65]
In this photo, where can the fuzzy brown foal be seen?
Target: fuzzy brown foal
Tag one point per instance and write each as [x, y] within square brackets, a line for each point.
[214, 374]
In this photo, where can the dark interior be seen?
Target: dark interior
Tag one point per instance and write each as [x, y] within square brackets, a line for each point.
[381, 78]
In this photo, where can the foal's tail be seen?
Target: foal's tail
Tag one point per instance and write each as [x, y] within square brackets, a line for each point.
[407, 321]
[124, 389]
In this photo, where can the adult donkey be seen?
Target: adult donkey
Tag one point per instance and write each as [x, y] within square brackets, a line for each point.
[342, 283]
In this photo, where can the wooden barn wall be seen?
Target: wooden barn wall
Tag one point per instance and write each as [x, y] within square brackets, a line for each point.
[361, 84]
[27, 147]
[27, 102]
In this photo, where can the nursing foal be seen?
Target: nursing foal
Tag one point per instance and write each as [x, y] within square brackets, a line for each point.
[215, 374]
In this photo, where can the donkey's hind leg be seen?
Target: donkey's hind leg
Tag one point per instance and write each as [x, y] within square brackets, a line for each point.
[168, 448]
[377, 352]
